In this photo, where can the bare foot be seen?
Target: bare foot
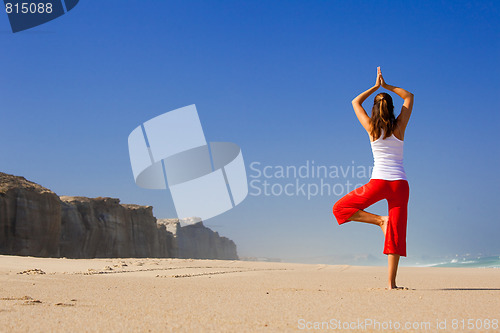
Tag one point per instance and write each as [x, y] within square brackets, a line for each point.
[396, 288]
[383, 224]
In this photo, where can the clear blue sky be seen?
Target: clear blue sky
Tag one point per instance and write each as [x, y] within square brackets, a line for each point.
[277, 78]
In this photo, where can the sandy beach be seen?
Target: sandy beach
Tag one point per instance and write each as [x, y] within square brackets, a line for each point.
[183, 295]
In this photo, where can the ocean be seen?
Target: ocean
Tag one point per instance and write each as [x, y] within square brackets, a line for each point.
[467, 261]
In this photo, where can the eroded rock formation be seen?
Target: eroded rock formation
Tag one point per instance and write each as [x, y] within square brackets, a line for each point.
[35, 221]
[104, 228]
[199, 242]
[30, 218]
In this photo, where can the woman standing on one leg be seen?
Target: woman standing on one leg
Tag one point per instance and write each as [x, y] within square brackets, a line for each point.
[388, 180]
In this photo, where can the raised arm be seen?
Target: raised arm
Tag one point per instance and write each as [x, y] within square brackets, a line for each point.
[357, 102]
[407, 107]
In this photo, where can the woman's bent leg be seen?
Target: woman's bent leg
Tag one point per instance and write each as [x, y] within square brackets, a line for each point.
[351, 206]
[362, 216]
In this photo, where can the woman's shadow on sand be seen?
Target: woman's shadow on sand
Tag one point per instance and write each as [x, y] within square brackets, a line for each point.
[474, 289]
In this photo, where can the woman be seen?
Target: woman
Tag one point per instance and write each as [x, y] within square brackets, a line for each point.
[388, 179]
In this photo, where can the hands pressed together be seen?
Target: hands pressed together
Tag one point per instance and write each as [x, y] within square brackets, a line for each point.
[380, 79]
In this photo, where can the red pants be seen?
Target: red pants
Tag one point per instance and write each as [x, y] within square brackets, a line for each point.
[396, 192]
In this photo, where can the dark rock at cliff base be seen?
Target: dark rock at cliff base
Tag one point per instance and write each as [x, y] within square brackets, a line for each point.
[30, 218]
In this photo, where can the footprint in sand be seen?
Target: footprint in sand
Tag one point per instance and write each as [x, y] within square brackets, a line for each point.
[33, 271]
[120, 265]
[28, 300]
[32, 302]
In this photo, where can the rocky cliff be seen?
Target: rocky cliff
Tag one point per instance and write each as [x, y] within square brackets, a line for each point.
[199, 242]
[35, 221]
[30, 218]
[103, 228]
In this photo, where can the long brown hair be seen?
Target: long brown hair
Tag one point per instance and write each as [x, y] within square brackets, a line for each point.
[382, 116]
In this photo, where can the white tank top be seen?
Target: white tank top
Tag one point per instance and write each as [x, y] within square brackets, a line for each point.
[388, 158]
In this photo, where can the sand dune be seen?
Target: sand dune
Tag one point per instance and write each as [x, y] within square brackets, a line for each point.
[161, 295]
